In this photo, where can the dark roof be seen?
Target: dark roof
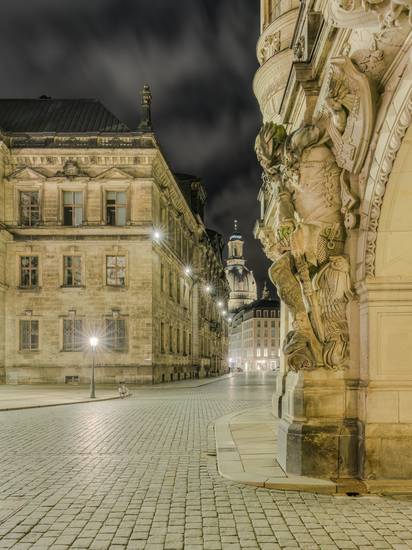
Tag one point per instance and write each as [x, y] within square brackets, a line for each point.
[236, 237]
[257, 304]
[57, 115]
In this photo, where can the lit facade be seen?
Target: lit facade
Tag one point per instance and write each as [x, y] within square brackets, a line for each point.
[254, 336]
[97, 236]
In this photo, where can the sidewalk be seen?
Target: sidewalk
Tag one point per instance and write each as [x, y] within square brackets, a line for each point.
[246, 450]
[20, 396]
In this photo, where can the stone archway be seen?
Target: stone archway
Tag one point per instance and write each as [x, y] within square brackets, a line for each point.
[385, 289]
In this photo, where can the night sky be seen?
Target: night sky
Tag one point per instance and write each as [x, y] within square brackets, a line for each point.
[198, 57]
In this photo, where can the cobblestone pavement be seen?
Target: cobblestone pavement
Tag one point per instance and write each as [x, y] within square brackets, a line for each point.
[138, 473]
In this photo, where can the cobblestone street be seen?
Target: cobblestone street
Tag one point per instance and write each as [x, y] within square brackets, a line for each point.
[140, 473]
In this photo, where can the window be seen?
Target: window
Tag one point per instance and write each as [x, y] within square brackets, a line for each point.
[258, 352]
[72, 334]
[116, 338]
[116, 208]
[116, 270]
[29, 271]
[265, 314]
[29, 335]
[72, 208]
[258, 313]
[72, 271]
[178, 340]
[170, 283]
[190, 343]
[29, 208]
[162, 277]
[170, 338]
[178, 289]
[162, 337]
[265, 352]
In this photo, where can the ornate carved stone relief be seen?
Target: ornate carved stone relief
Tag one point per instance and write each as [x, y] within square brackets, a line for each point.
[307, 241]
[71, 169]
[270, 47]
[346, 109]
[382, 14]
[309, 175]
[299, 49]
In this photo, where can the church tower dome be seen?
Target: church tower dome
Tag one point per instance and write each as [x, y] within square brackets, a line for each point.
[241, 280]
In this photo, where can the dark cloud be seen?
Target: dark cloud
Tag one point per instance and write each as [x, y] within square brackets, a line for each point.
[197, 55]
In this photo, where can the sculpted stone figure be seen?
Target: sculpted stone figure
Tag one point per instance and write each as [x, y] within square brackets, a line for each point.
[388, 12]
[309, 267]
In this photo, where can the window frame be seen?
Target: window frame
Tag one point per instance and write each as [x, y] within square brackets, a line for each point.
[76, 343]
[80, 258]
[117, 269]
[31, 192]
[31, 348]
[114, 345]
[30, 270]
[73, 206]
[116, 207]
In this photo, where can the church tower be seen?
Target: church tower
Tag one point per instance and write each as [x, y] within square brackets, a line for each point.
[241, 280]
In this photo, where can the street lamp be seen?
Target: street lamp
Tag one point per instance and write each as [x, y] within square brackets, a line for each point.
[93, 340]
[157, 235]
[188, 271]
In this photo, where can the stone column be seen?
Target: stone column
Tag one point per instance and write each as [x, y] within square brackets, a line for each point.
[317, 436]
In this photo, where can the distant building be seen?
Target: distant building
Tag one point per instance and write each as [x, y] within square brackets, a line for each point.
[100, 237]
[241, 280]
[254, 335]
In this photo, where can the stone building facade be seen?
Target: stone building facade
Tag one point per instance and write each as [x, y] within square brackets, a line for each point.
[254, 335]
[241, 280]
[334, 87]
[99, 237]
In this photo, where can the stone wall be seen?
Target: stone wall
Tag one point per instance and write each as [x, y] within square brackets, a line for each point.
[344, 104]
[154, 200]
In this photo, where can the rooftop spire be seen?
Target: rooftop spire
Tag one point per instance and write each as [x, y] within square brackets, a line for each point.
[146, 110]
[265, 293]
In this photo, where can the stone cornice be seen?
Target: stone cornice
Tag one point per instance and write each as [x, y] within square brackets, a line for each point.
[82, 141]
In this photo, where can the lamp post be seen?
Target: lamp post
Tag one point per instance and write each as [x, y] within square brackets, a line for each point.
[93, 344]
